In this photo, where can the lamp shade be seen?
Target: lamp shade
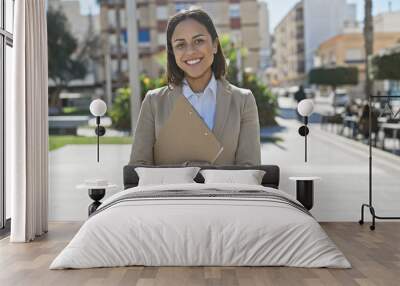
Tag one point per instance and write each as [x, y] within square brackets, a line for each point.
[98, 107]
[305, 107]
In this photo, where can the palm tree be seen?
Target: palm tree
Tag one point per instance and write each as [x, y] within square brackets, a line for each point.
[368, 44]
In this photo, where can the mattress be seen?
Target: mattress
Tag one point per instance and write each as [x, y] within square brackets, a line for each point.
[201, 225]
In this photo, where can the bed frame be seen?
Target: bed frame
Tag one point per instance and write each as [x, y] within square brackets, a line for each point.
[270, 179]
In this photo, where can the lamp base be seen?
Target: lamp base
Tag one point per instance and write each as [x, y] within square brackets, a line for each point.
[374, 216]
[96, 195]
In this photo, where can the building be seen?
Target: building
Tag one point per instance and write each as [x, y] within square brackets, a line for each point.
[301, 31]
[288, 48]
[387, 22]
[265, 38]
[348, 50]
[234, 17]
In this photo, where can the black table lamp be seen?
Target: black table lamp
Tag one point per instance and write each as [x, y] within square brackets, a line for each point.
[305, 108]
[98, 108]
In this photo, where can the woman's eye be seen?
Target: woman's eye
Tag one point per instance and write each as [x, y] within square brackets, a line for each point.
[179, 46]
[198, 41]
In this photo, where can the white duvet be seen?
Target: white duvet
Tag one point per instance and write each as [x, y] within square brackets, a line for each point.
[200, 231]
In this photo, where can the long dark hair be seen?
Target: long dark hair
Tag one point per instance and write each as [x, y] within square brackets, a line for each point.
[175, 74]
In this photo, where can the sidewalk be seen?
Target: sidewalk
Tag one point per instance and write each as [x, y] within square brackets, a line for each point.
[340, 162]
[71, 165]
[343, 166]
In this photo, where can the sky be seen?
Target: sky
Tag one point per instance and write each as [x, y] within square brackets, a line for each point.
[279, 8]
[90, 6]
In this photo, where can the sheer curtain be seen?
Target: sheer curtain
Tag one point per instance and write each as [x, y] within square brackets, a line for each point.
[27, 124]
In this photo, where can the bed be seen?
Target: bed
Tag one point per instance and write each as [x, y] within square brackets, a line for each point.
[199, 224]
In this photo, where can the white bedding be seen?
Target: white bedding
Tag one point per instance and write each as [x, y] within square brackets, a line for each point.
[200, 231]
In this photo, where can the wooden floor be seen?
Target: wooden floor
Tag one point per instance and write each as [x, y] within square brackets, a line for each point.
[375, 257]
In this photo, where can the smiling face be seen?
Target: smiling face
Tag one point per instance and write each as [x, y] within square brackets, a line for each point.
[193, 48]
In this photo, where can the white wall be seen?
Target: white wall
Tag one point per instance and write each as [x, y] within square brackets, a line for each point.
[264, 25]
[351, 12]
[387, 22]
[265, 36]
[323, 19]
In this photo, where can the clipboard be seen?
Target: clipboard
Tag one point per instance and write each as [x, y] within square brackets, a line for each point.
[185, 137]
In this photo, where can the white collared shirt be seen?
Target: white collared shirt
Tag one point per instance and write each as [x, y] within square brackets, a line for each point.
[204, 102]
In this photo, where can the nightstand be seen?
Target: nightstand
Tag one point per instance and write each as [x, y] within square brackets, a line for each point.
[96, 193]
[305, 190]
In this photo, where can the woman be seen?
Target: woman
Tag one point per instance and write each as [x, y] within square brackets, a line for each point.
[196, 68]
[363, 122]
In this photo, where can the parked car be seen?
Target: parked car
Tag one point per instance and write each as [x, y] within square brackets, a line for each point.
[310, 93]
[340, 98]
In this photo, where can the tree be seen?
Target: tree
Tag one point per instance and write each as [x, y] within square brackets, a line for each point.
[64, 64]
[368, 44]
[386, 66]
[266, 101]
[231, 54]
[120, 111]
[334, 77]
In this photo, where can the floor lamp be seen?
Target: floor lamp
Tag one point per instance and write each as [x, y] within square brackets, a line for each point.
[305, 108]
[98, 108]
[369, 205]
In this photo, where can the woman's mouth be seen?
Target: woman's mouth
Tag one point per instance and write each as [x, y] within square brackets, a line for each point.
[193, 62]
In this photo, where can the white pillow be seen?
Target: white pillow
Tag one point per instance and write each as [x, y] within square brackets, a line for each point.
[248, 177]
[162, 176]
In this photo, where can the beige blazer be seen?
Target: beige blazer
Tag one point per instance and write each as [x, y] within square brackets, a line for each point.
[236, 124]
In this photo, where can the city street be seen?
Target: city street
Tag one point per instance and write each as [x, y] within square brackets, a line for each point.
[341, 163]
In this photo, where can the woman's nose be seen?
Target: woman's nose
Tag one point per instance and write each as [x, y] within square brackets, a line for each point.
[190, 48]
